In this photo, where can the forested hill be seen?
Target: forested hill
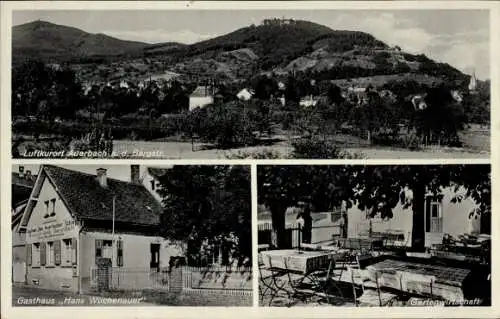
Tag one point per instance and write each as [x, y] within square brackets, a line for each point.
[276, 45]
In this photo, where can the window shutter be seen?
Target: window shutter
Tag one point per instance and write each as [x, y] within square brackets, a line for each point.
[74, 245]
[57, 252]
[98, 249]
[119, 253]
[28, 254]
[43, 254]
[428, 214]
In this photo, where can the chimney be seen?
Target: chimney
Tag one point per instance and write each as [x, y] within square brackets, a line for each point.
[101, 177]
[21, 171]
[135, 174]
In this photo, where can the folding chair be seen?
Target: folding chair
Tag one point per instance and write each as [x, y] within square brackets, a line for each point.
[268, 282]
[298, 290]
[371, 295]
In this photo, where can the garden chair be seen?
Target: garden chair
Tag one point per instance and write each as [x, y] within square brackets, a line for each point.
[371, 292]
[297, 288]
[269, 283]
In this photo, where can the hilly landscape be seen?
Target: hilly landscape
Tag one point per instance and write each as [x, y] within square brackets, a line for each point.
[275, 46]
[57, 43]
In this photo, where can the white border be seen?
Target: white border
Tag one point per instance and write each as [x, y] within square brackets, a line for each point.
[8, 311]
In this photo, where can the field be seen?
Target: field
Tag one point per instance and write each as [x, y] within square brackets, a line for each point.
[476, 145]
[475, 138]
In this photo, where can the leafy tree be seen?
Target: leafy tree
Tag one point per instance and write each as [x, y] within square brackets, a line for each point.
[442, 119]
[378, 189]
[175, 100]
[226, 125]
[44, 91]
[374, 115]
[265, 87]
[207, 202]
[334, 94]
[292, 90]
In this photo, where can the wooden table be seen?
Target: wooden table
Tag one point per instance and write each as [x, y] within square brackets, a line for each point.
[425, 279]
[297, 261]
[361, 243]
[301, 269]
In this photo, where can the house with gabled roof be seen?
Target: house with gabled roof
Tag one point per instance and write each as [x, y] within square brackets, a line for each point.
[202, 96]
[74, 220]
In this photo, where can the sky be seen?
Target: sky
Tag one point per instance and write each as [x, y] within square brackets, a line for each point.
[120, 172]
[457, 37]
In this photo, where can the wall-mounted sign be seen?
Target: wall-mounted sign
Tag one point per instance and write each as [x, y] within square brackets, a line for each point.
[53, 230]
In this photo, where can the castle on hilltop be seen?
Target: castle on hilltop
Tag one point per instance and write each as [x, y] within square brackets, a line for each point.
[277, 22]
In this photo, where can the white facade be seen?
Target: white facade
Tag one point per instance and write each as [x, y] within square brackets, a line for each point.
[308, 101]
[200, 101]
[444, 217]
[244, 95]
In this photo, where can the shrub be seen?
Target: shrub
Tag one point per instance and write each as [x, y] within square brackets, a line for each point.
[260, 154]
[313, 148]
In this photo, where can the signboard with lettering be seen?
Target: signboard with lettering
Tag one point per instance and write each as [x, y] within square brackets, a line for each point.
[52, 231]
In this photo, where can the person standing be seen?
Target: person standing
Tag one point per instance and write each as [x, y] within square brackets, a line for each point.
[305, 215]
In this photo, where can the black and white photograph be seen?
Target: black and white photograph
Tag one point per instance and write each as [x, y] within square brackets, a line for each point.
[131, 235]
[251, 84]
[374, 236]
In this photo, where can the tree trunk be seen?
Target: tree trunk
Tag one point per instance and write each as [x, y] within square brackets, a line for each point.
[418, 225]
[278, 220]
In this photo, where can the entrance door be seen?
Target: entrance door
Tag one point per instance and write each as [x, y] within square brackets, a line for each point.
[433, 215]
[155, 256]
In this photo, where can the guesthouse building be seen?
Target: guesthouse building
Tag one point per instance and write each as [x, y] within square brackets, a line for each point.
[74, 221]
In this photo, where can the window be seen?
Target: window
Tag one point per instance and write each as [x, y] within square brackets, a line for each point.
[119, 253]
[153, 184]
[107, 249]
[104, 249]
[155, 256]
[433, 215]
[35, 255]
[98, 249]
[46, 209]
[66, 252]
[50, 258]
[53, 212]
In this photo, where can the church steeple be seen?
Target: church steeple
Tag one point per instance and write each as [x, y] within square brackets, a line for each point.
[473, 82]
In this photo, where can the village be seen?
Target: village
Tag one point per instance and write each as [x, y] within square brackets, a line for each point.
[98, 242]
[173, 107]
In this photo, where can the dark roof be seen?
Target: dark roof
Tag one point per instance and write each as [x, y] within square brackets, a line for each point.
[203, 91]
[21, 187]
[87, 199]
[26, 180]
[157, 172]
